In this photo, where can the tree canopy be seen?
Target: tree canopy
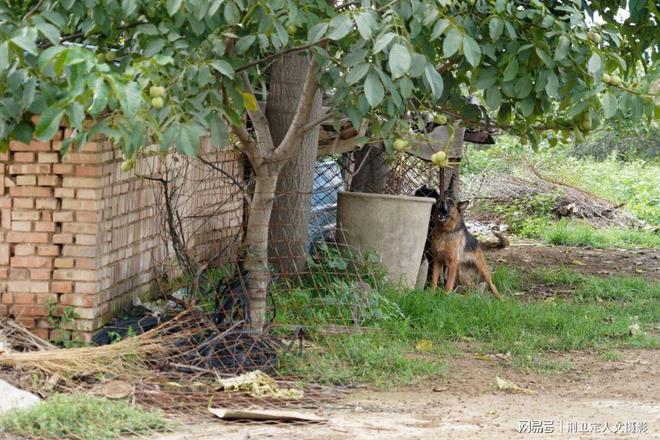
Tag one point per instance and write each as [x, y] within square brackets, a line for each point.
[530, 65]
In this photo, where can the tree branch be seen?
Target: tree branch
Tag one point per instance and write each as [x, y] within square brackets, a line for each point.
[300, 119]
[317, 121]
[259, 121]
[279, 54]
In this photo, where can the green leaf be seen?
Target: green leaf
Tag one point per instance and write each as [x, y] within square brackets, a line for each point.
[439, 28]
[595, 64]
[187, 141]
[244, 43]
[223, 67]
[214, 7]
[399, 60]
[129, 6]
[4, 57]
[562, 48]
[23, 132]
[25, 40]
[373, 89]
[382, 41]
[49, 31]
[511, 70]
[317, 32]
[173, 6]
[47, 56]
[131, 99]
[544, 57]
[231, 13]
[406, 87]
[339, 27]
[485, 78]
[434, 80]
[523, 86]
[610, 105]
[76, 115]
[452, 42]
[552, 86]
[365, 24]
[471, 50]
[219, 132]
[49, 123]
[100, 98]
[495, 27]
[493, 97]
[357, 73]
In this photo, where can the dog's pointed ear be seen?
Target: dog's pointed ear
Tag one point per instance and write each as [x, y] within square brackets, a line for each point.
[451, 188]
[461, 206]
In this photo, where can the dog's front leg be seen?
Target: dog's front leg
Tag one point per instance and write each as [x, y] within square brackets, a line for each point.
[452, 270]
[438, 270]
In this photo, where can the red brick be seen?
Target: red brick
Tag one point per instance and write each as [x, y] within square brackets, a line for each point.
[48, 180]
[81, 205]
[26, 180]
[44, 226]
[4, 310]
[65, 193]
[61, 287]
[86, 239]
[64, 263]
[62, 238]
[80, 182]
[78, 300]
[5, 201]
[30, 191]
[49, 157]
[25, 298]
[48, 250]
[87, 216]
[4, 254]
[63, 216]
[81, 158]
[78, 251]
[40, 287]
[80, 228]
[19, 274]
[31, 262]
[24, 249]
[6, 218]
[8, 298]
[28, 323]
[46, 203]
[40, 274]
[61, 168]
[60, 335]
[23, 157]
[74, 274]
[30, 168]
[32, 146]
[42, 333]
[27, 237]
[21, 226]
[86, 171]
[25, 215]
[18, 286]
[85, 263]
[89, 194]
[23, 203]
[81, 287]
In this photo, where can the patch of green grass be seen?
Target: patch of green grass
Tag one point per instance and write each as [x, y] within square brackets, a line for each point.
[82, 417]
[610, 356]
[579, 234]
[599, 315]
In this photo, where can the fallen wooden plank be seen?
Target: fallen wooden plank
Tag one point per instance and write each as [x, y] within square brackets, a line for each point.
[265, 414]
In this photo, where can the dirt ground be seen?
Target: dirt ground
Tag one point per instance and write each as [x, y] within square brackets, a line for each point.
[593, 399]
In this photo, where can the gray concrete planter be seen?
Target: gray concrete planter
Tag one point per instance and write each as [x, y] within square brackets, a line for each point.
[395, 227]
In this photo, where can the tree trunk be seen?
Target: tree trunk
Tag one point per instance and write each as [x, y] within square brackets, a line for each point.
[291, 209]
[371, 169]
[256, 258]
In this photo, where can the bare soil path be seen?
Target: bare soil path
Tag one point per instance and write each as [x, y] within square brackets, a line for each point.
[620, 397]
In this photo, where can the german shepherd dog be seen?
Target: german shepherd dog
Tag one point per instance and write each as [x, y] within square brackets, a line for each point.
[454, 248]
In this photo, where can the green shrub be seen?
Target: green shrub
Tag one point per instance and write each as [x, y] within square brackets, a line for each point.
[82, 417]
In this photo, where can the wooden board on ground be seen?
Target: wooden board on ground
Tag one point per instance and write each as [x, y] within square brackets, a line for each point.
[265, 414]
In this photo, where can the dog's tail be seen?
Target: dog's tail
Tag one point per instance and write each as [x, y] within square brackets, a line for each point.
[501, 244]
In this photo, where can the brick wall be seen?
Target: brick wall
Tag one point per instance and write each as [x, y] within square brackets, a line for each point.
[77, 232]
